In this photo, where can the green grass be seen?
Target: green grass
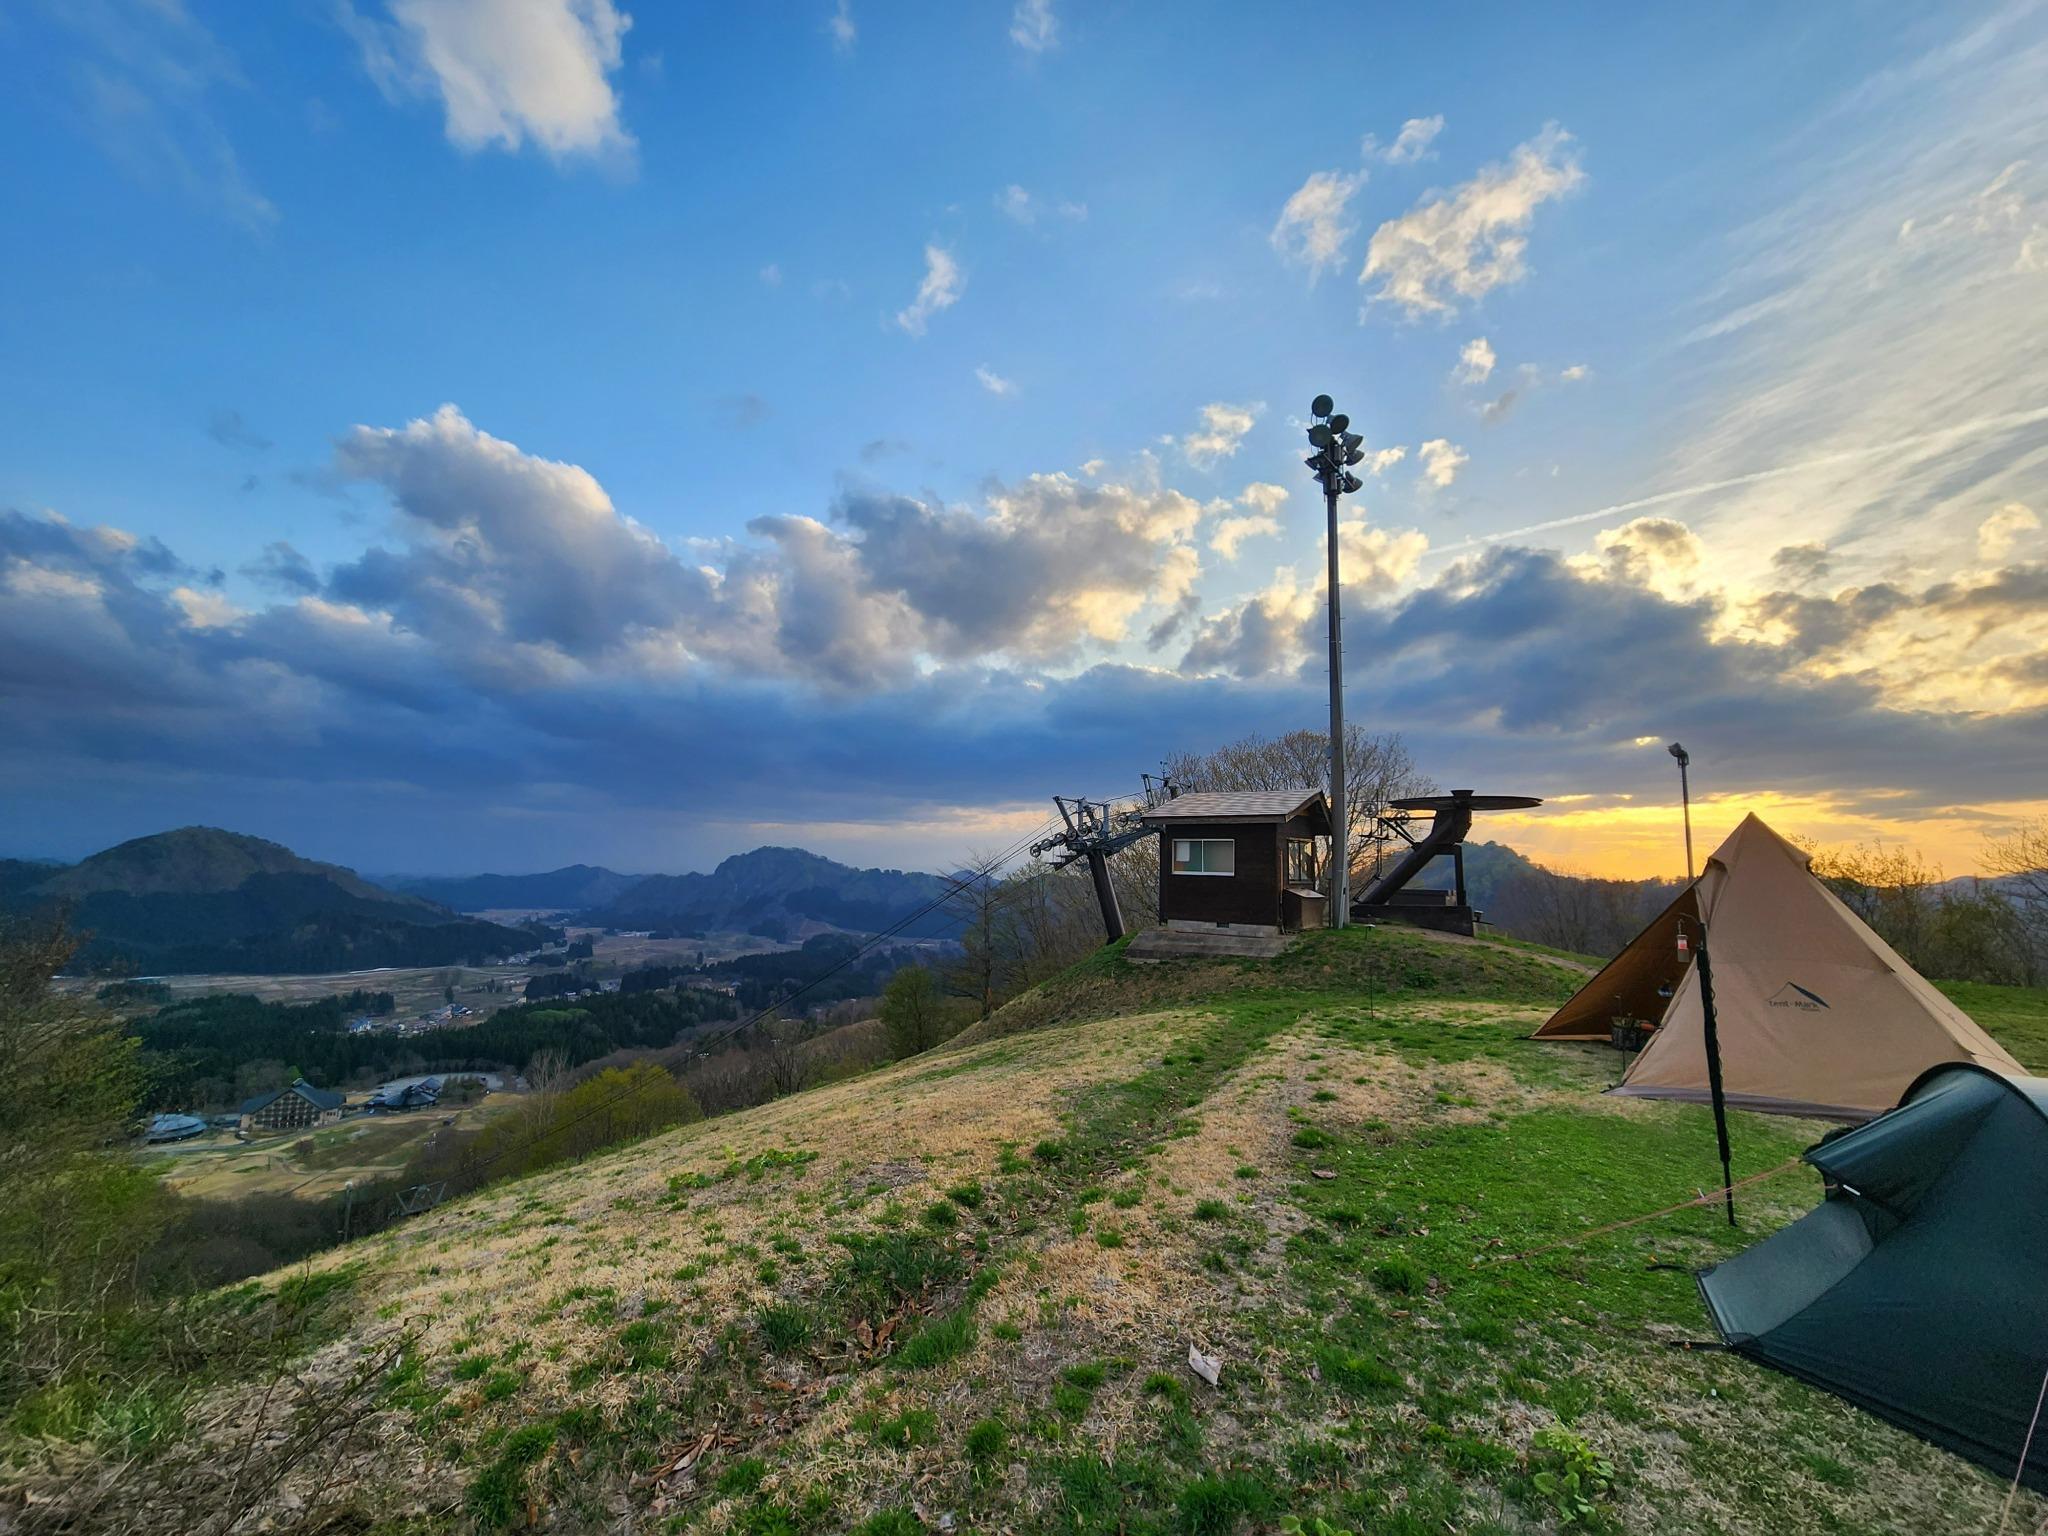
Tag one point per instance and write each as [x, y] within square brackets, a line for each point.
[2016, 1017]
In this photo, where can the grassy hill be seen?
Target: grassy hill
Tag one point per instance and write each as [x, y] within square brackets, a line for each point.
[200, 899]
[959, 1293]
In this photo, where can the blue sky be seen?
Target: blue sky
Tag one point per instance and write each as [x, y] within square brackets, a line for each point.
[491, 434]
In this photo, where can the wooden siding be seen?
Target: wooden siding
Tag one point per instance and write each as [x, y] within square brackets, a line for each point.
[1252, 895]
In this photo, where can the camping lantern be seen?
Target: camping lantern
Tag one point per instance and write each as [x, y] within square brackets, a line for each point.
[1684, 947]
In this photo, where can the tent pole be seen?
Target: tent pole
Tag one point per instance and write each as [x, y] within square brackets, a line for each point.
[1713, 1040]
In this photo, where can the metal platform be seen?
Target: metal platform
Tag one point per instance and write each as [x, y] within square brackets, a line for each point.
[1391, 898]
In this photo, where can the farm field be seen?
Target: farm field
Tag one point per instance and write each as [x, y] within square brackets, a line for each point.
[485, 989]
[960, 1293]
[363, 1149]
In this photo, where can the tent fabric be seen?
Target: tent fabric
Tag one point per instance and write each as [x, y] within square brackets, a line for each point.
[1817, 1015]
[1914, 1290]
[1631, 985]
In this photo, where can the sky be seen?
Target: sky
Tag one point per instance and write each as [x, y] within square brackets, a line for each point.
[448, 435]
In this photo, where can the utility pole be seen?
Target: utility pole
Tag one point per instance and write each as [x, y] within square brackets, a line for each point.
[1337, 448]
[1709, 1023]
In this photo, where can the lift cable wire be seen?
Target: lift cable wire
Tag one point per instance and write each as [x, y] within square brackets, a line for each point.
[955, 886]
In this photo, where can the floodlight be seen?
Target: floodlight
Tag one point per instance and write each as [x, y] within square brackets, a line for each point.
[1684, 757]
[1340, 423]
[1322, 405]
[1314, 461]
[1352, 482]
[1355, 456]
[1351, 440]
[1319, 435]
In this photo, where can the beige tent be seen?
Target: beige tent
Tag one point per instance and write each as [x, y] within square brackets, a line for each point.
[1816, 1014]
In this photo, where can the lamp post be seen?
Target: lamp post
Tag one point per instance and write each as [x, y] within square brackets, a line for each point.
[1685, 799]
[1337, 448]
[1709, 1025]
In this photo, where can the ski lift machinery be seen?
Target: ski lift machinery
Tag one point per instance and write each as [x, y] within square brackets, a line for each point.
[1095, 829]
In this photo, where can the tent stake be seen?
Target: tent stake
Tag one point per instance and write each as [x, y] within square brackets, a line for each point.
[1713, 1041]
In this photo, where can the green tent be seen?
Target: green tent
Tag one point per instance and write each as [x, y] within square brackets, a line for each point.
[1919, 1288]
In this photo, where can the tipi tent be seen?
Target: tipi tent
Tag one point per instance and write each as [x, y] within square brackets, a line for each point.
[1816, 1014]
[1915, 1289]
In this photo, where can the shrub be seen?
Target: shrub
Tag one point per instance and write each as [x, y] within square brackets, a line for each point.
[743, 1476]
[987, 1441]
[938, 1341]
[1568, 1474]
[1211, 1506]
[1399, 1274]
[1211, 1210]
[784, 1326]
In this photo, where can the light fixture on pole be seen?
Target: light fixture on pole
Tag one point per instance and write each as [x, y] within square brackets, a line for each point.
[1709, 1025]
[1337, 448]
[1685, 799]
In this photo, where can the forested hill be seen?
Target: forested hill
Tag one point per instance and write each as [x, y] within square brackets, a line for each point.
[201, 899]
[779, 892]
[576, 888]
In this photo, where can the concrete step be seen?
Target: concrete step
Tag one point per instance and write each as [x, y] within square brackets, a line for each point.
[1156, 944]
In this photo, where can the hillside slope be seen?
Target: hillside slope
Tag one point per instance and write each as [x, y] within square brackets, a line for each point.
[200, 899]
[959, 1293]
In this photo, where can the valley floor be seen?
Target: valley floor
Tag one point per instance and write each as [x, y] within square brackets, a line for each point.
[960, 1293]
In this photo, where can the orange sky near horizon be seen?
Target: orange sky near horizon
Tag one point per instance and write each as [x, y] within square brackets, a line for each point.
[1638, 839]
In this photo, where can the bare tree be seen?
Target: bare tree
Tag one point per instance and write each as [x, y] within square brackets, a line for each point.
[1377, 768]
[779, 1043]
[987, 939]
[2019, 866]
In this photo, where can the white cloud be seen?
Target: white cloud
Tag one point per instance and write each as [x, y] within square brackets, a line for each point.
[941, 289]
[1377, 560]
[144, 82]
[1385, 459]
[841, 27]
[1223, 428]
[1441, 461]
[1020, 205]
[1475, 362]
[1033, 26]
[1265, 501]
[1880, 384]
[772, 274]
[1410, 144]
[1575, 373]
[1999, 532]
[506, 71]
[1312, 230]
[1465, 243]
[994, 382]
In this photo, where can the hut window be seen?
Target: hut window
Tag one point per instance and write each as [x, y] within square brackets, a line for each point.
[1301, 861]
[1204, 856]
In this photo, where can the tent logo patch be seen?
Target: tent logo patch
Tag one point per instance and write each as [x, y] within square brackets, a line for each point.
[1793, 995]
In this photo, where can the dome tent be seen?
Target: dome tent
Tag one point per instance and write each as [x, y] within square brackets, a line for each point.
[1816, 1014]
[1914, 1290]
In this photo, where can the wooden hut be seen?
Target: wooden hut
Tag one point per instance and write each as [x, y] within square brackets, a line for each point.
[1243, 864]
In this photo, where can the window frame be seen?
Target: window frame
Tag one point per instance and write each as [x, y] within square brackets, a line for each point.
[1315, 872]
[1175, 864]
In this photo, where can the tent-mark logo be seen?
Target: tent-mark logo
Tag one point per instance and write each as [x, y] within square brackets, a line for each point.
[1793, 995]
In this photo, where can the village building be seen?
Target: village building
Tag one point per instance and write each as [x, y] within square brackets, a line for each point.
[298, 1107]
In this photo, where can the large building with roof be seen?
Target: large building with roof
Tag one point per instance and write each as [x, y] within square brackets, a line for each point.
[297, 1107]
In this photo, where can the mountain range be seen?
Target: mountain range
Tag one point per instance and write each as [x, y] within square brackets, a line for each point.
[576, 888]
[200, 899]
[781, 893]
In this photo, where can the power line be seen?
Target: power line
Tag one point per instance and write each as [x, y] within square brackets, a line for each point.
[701, 1048]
